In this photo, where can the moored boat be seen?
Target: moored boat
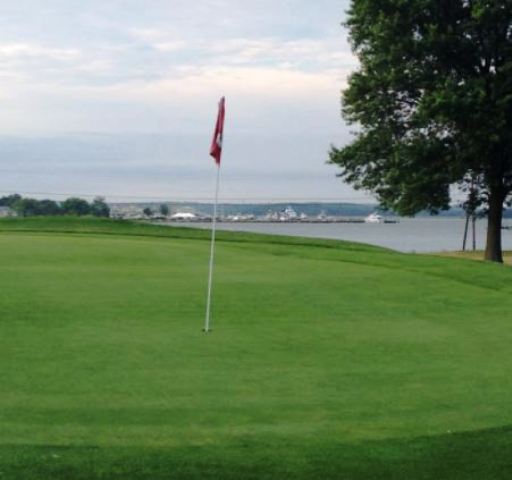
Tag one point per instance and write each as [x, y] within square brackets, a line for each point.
[374, 218]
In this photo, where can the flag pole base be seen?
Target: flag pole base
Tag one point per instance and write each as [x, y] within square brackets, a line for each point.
[207, 331]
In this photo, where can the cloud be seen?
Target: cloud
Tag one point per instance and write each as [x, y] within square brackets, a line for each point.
[22, 51]
[123, 68]
[261, 83]
[261, 76]
[300, 53]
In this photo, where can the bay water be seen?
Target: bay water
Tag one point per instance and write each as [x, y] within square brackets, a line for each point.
[428, 234]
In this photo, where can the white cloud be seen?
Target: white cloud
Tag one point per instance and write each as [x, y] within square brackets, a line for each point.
[261, 83]
[170, 46]
[22, 51]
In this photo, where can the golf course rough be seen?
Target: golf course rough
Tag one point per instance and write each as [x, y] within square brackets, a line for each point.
[327, 359]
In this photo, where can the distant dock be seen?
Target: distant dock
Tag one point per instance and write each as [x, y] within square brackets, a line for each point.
[278, 221]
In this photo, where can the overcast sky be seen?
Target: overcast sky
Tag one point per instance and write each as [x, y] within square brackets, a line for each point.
[119, 97]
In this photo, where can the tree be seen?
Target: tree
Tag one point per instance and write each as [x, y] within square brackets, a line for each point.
[49, 207]
[433, 102]
[164, 209]
[147, 211]
[26, 207]
[99, 208]
[470, 186]
[9, 200]
[75, 206]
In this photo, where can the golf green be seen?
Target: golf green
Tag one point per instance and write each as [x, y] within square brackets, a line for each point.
[327, 359]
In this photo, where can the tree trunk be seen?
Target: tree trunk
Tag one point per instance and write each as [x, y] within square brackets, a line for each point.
[465, 233]
[493, 251]
[473, 223]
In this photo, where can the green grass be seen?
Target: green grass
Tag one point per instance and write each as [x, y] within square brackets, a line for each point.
[327, 360]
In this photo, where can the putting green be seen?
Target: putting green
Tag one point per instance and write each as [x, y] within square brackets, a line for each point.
[317, 347]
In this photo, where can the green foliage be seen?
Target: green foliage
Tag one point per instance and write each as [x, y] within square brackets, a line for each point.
[30, 207]
[48, 207]
[433, 100]
[164, 209]
[75, 206]
[324, 361]
[26, 207]
[10, 200]
[99, 208]
[147, 211]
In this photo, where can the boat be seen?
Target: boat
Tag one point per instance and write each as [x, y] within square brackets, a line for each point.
[184, 216]
[288, 214]
[374, 218]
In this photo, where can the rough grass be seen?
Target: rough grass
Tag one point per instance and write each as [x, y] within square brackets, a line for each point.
[477, 255]
[328, 359]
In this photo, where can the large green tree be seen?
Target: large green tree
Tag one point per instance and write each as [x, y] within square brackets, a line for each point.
[432, 102]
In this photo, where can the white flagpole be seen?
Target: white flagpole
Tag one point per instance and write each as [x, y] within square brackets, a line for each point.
[212, 254]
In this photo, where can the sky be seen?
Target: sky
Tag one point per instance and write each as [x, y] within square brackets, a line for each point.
[119, 98]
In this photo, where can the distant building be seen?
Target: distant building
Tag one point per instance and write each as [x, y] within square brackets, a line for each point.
[127, 211]
[7, 212]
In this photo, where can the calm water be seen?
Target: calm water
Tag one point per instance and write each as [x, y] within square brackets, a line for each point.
[409, 235]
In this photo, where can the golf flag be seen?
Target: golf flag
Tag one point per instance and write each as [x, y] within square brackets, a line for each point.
[215, 152]
[216, 147]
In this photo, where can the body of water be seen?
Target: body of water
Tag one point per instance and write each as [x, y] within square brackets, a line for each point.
[409, 235]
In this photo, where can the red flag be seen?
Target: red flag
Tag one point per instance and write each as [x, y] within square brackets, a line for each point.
[216, 148]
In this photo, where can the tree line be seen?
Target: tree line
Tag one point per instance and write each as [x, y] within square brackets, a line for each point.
[29, 207]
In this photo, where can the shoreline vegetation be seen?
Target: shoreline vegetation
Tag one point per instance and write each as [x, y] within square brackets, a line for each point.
[16, 205]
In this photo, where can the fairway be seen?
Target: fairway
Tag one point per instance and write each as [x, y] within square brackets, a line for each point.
[327, 359]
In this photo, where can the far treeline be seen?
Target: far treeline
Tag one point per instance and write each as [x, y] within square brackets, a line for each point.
[30, 207]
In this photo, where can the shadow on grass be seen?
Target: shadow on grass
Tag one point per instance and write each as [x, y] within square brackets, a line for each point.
[481, 455]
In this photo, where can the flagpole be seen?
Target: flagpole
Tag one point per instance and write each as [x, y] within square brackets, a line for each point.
[212, 254]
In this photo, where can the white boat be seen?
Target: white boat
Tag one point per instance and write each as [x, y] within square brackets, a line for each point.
[288, 214]
[374, 218]
[183, 216]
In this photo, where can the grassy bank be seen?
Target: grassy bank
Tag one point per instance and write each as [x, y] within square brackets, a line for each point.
[477, 255]
[328, 359]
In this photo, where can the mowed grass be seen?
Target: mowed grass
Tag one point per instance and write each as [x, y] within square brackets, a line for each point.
[327, 359]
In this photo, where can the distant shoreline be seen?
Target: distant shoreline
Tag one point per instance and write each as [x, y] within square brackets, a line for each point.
[306, 221]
